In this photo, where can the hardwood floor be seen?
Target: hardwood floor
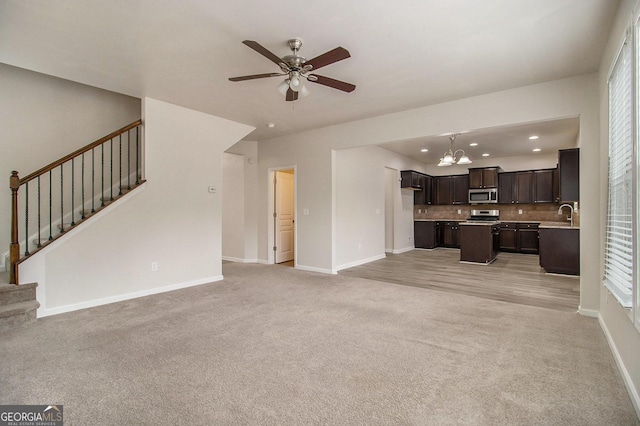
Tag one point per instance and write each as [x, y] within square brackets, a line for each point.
[513, 277]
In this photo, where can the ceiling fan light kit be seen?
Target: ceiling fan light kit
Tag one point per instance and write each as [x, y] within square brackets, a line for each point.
[449, 157]
[296, 69]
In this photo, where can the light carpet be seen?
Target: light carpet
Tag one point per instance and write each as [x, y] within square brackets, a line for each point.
[273, 345]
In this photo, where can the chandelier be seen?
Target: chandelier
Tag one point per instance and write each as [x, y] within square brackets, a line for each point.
[451, 157]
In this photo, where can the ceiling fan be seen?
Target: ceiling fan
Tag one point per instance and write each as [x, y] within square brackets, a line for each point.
[296, 68]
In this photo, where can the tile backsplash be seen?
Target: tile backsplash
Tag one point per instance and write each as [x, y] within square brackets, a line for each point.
[546, 212]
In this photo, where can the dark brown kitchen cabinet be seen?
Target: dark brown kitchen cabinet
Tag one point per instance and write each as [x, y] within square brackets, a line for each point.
[424, 234]
[410, 179]
[519, 237]
[451, 189]
[524, 187]
[477, 243]
[569, 174]
[442, 188]
[424, 196]
[460, 191]
[509, 236]
[419, 183]
[543, 186]
[449, 234]
[528, 238]
[506, 187]
[486, 177]
[560, 250]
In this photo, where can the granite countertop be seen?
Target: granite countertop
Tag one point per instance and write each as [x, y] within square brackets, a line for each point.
[560, 225]
[460, 219]
[542, 224]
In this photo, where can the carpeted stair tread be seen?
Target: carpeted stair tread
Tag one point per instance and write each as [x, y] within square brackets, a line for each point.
[18, 308]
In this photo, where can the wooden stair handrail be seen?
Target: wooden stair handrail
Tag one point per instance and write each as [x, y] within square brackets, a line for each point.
[80, 151]
[15, 183]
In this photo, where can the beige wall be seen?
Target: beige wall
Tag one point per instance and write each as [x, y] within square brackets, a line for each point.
[312, 152]
[172, 220]
[623, 337]
[45, 118]
[249, 151]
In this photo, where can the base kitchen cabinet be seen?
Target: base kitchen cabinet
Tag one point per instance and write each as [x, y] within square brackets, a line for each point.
[424, 234]
[560, 250]
[519, 237]
[449, 234]
[528, 238]
[508, 236]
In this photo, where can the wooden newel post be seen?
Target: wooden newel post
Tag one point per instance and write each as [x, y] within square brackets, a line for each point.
[14, 248]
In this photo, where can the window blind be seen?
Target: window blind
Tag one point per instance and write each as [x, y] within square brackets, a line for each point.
[619, 252]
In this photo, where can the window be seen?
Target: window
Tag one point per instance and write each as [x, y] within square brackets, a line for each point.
[619, 247]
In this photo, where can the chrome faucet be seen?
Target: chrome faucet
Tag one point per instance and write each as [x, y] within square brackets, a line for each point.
[570, 210]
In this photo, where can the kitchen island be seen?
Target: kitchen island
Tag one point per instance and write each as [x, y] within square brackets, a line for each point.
[479, 241]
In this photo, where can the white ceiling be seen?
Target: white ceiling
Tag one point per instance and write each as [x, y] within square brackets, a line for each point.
[498, 142]
[404, 54]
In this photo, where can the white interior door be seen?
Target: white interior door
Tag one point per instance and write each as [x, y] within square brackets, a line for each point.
[284, 216]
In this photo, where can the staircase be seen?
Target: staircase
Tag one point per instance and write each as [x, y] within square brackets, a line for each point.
[18, 304]
[49, 203]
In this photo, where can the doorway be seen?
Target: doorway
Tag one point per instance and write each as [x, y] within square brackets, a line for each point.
[391, 184]
[283, 214]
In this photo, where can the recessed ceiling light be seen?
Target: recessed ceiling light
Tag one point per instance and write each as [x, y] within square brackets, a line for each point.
[424, 150]
[485, 155]
[536, 149]
[534, 137]
[473, 144]
[271, 125]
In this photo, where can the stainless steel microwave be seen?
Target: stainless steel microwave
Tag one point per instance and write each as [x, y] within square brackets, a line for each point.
[483, 196]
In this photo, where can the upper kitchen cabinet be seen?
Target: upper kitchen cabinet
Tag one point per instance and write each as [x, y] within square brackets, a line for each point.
[423, 196]
[506, 187]
[460, 189]
[442, 190]
[524, 187]
[410, 180]
[451, 189]
[486, 177]
[419, 183]
[544, 186]
[569, 174]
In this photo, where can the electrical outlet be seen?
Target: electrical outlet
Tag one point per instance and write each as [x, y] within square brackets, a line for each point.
[459, 211]
[154, 266]
[519, 211]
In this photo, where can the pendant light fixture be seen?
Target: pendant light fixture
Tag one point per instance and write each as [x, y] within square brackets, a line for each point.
[450, 156]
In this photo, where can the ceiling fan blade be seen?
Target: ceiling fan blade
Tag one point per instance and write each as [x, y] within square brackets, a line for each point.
[335, 55]
[291, 95]
[336, 84]
[263, 51]
[254, 76]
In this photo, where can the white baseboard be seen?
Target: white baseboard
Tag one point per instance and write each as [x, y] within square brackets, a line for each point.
[403, 250]
[314, 269]
[626, 377]
[126, 296]
[360, 262]
[588, 312]
[239, 260]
